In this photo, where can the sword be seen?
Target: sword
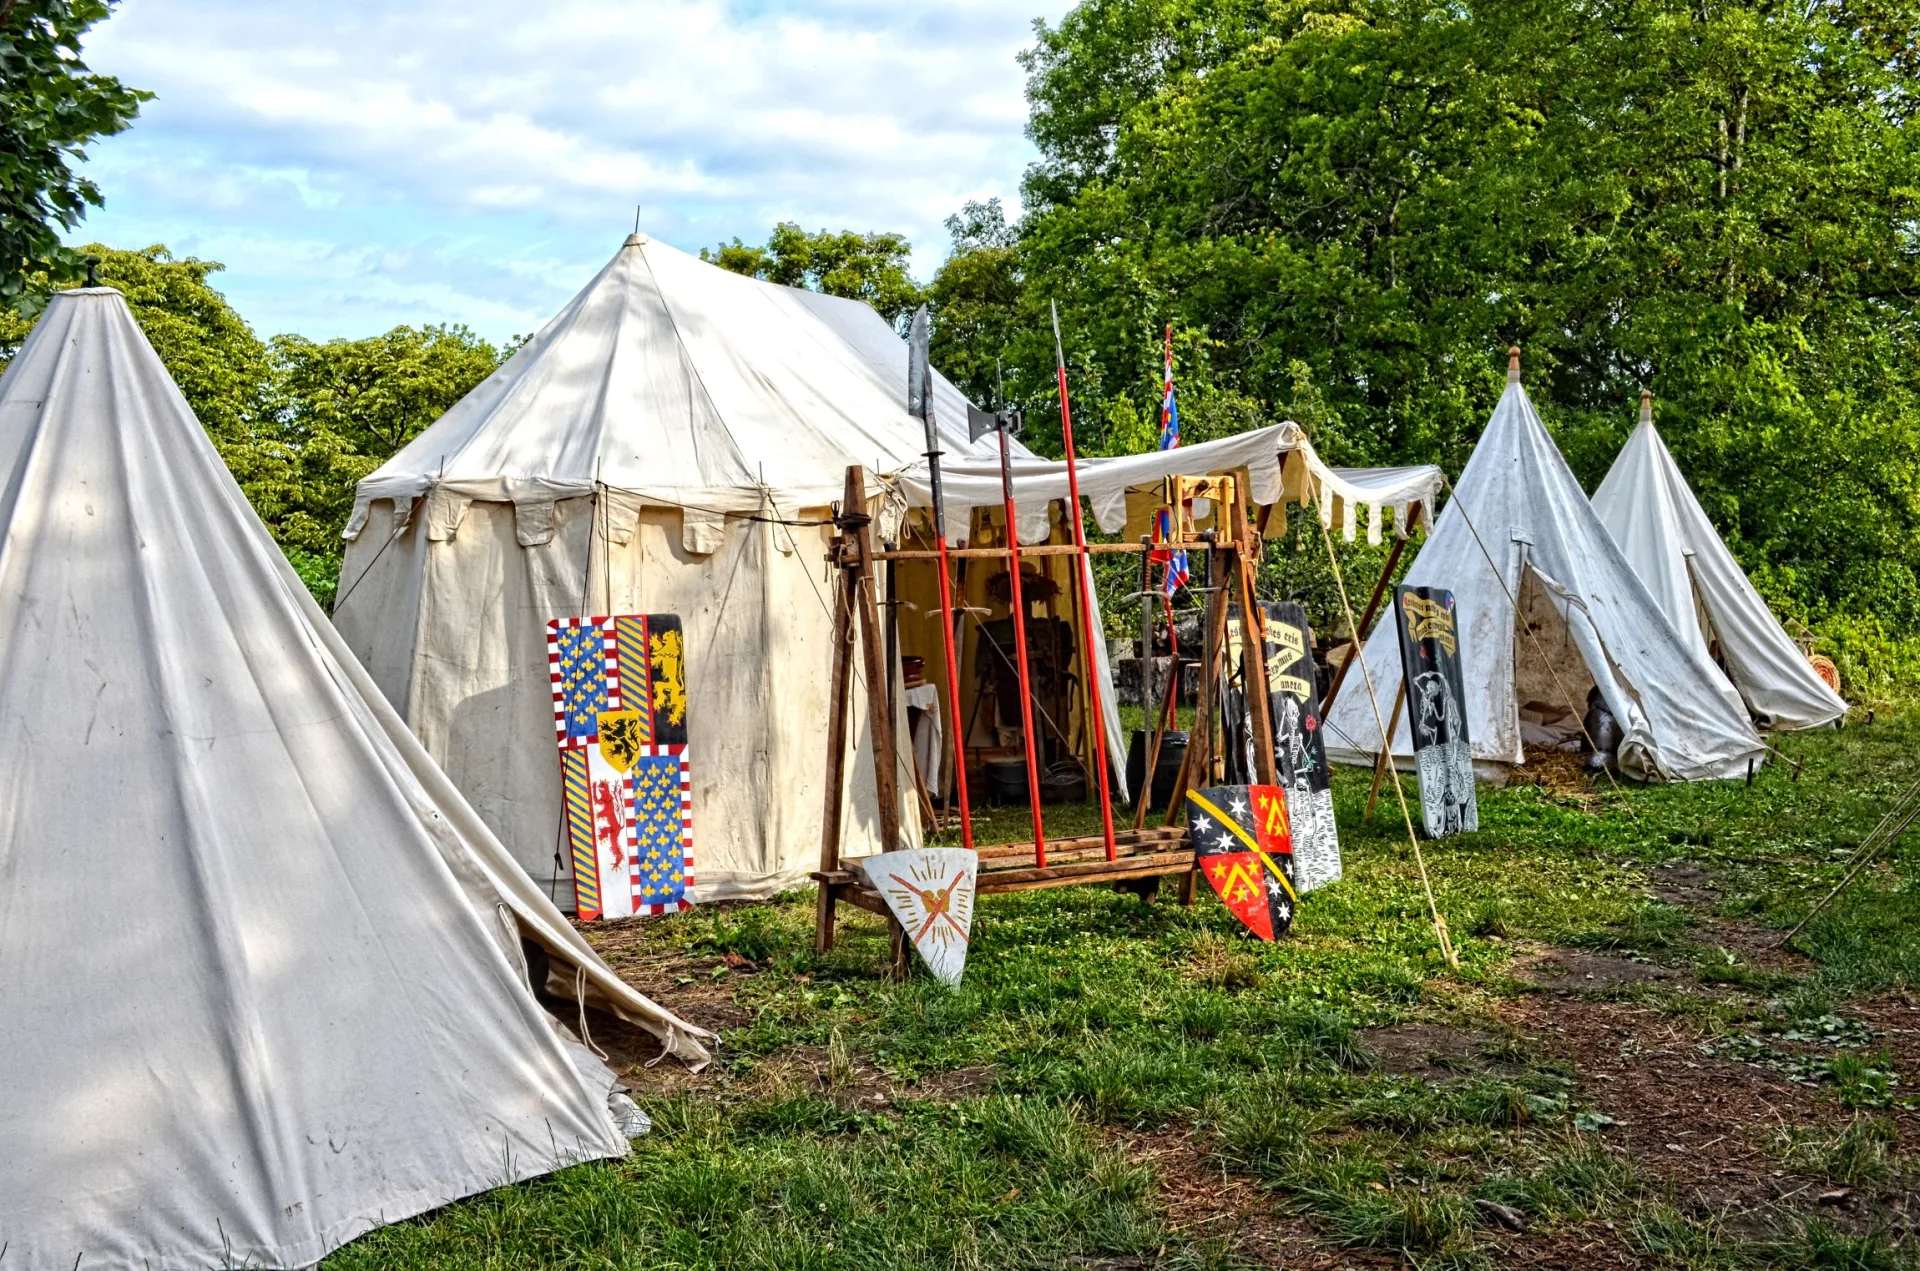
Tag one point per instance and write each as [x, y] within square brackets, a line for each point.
[920, 402]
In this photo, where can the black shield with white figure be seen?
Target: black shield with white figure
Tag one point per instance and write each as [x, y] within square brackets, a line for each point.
[1300, 752]
[1435, 708]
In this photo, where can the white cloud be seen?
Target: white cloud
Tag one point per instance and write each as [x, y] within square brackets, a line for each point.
[358, 164]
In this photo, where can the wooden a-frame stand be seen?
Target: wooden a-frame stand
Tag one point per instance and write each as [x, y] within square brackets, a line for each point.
[1142, 856]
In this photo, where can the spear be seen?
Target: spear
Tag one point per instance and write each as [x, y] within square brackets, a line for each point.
[920, 402]
[1095, 702]
[979, 422]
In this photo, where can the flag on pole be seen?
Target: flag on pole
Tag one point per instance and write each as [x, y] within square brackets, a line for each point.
[1176, 573]
[1169, 409]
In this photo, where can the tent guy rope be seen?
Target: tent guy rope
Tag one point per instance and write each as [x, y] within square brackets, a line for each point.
[1406, 816]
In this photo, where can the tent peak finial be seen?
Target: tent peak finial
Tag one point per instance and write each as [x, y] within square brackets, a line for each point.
[1513, 365]
[1646, 405]
[635, 239]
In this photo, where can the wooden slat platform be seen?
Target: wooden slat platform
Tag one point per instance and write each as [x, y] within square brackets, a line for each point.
[1004, 867]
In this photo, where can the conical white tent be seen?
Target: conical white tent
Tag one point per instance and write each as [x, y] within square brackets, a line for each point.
[1646, 505]
[1585, 619]
[264, 983]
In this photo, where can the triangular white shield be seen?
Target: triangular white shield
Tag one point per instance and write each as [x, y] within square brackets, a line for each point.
[930, 890]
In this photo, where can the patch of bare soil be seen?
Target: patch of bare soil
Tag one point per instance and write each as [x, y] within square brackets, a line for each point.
[815, 1070]
[1434, 1052]
[1692, 887]
[1683, 883]
[1569, 971]
[1693, 1121]
[1211, 1207]
[700, 988]
[1247, 1220]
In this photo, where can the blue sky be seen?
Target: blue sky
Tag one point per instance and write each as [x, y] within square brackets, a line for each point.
[357, 164]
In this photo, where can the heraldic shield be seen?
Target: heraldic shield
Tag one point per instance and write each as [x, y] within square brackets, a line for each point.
[620, 719]
[930, 890]
[1243, 844]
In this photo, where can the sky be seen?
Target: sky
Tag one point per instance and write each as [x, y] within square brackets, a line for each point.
[358, 164]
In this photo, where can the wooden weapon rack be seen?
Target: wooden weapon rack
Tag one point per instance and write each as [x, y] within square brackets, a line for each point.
[1140, 857]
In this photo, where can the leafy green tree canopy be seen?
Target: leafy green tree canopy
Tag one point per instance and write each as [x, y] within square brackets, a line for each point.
[1361, 203]
[50, 106]
[297, 421]
[869, 267]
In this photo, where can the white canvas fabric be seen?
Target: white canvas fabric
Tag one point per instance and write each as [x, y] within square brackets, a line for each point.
[680, 384]
[263, 984]
[1595, 623]
[1340, 493]
[1645, 504]
[669, 443]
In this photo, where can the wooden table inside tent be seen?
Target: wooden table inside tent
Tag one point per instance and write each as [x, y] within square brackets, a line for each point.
[1141, 857]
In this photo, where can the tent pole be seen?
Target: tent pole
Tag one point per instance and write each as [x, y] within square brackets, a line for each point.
[920, 396]
[1386, 742]
[1373, 607]
[886, 754]
[1019, 609]
[1096, 697]
[1385, 756]
[1253, 637]
[1200, 737]
[837, 703]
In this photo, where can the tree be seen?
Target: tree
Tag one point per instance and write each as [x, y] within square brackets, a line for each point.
[975, 299]
[297, 422]
[51, 105]
[346, 406]
[869, 267]
[1372, 198]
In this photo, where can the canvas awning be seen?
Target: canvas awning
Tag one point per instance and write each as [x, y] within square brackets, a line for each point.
[1280, 462]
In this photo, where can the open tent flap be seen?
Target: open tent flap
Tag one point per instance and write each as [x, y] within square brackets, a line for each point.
[982, 664]
[1121, 492]
[1518, 504]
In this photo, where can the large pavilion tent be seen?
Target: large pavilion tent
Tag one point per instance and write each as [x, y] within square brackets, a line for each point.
[1584, 620]
[266, 980]
[1646, 505]
[671, 442]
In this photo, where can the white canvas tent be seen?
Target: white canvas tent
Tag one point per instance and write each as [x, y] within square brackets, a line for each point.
[1645, 504]
[264, 983]
[672, 442]
[1585, 619]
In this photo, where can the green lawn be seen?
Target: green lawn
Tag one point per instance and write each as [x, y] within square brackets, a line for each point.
[1122, 1067]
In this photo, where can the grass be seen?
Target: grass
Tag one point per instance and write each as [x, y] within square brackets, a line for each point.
[1103, 1023]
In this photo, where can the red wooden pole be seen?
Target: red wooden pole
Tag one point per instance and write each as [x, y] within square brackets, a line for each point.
[953, 691]
[1095, 699]
[1020, 653]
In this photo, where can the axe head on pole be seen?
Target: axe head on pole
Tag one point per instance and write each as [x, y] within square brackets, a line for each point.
[919, 368]
[981, 422]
